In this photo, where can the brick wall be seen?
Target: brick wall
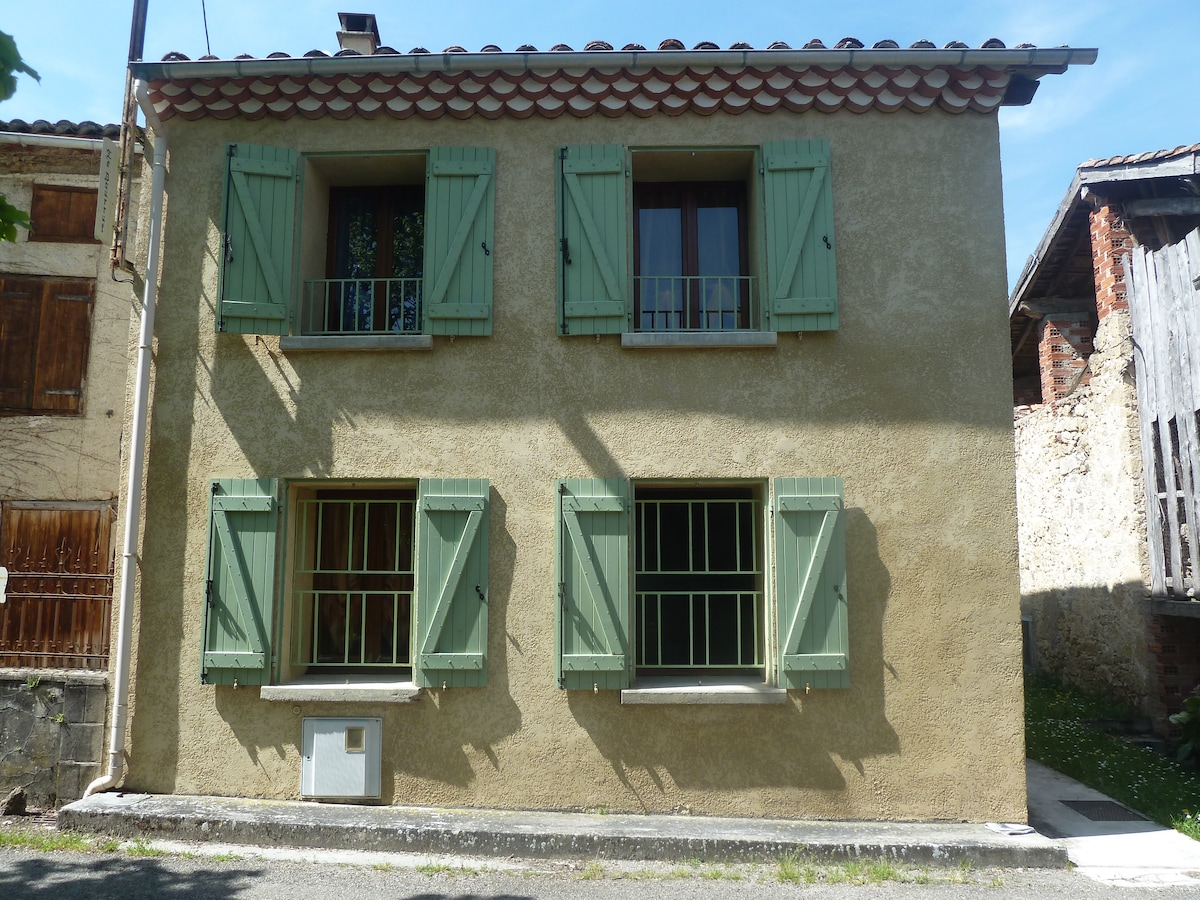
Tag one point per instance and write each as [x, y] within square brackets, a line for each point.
[1111, 243]
[1175, 643]
[1064, 345]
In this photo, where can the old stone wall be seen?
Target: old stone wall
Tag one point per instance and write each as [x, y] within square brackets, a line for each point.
[1081, 527]
[51, 733]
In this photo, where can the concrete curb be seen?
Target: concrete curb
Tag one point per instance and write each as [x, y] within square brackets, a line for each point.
[534, 835]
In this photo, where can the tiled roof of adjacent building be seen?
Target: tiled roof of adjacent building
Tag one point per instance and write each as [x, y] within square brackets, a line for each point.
[670, 80]
[61, 128]
[1136, 158]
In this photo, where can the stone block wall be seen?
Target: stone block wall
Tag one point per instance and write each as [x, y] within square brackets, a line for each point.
[51, 733]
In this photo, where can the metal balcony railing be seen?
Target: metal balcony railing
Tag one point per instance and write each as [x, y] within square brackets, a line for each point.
[692, 302]
[358, 306]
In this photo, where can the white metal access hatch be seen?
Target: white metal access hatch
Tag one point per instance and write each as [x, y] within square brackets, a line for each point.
[341, 759]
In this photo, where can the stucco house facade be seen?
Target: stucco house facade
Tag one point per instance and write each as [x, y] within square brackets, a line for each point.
[1102, 326]
[570, 429]
[64, 342]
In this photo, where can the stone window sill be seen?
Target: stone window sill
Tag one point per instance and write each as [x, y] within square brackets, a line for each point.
[342, 689]
[681, 340]
[699, 691]
[300, 344]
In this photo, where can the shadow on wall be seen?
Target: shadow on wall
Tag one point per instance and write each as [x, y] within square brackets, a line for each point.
[1095, 637]
[424, 740]
[785, 746]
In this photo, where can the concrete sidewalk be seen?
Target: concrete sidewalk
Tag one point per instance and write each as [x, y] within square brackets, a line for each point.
[1107, 841]
[535, 835]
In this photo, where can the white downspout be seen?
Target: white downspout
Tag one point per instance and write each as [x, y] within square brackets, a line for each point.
[132, 501]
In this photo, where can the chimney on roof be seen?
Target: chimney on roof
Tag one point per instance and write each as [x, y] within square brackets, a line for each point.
[358, 33]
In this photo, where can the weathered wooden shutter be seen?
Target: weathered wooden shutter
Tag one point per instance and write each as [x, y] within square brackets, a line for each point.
[452, 583]
[63, 214]
[459, 227]
[593, 583]
[593, 253]
[45, 331]
[259, 227]
[20, 309]
[62, 347]
[240, 581]
[810, 582]
[801, 280]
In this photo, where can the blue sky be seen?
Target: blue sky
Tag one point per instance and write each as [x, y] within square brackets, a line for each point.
[1142, 94]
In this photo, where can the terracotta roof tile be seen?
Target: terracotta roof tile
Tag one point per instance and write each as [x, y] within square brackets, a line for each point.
[493, 89]
[61, 128]
[1133, 158]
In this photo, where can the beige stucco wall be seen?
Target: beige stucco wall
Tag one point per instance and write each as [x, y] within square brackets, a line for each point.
[66, 457]
[909, 401]
[1082, 535]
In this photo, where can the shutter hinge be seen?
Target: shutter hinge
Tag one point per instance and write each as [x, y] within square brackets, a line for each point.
[231, 151]
[562, 153]
[208, 593]
[566, 251]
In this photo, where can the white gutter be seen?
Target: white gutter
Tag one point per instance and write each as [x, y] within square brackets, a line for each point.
[132, 501]
[51, 140]
[1035, 61]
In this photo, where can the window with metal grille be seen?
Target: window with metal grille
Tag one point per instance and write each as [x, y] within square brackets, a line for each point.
[698, 580]
[353, 578]
[58, 599]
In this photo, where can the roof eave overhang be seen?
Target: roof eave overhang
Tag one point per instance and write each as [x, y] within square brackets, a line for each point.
[1031, 63]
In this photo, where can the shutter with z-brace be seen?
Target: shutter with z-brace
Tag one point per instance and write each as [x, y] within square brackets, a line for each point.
[810, 582]
[452, 583]
[239, 594]
[256, 245]
[593, 583]
[592, 251]
[801, 272]
[459, 224]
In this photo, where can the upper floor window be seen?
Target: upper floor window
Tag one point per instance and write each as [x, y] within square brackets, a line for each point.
[390, 243]
[724, 239]
[374, 264]
[691, 270]
[63, 214]
[45, 329]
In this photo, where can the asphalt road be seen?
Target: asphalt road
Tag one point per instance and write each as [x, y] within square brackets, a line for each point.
[184, 872]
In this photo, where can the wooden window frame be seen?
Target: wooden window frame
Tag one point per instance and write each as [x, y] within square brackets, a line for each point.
[690, 197]
[72, 221]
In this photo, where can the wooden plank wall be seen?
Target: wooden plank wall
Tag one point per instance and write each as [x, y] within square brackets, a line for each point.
[1164, 305]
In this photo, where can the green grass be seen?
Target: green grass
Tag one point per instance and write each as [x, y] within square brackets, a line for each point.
[46, 841]
[1057, 735]
[792, 868]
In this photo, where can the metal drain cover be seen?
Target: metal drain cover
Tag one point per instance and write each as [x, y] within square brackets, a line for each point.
[1102, 810]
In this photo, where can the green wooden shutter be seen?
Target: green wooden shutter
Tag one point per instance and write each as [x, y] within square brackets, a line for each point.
[593, 224]
[593, 583]
[256, 252]
[801, 282]
[810, 582]
[452, 583]
[459, 227]
[240, 581]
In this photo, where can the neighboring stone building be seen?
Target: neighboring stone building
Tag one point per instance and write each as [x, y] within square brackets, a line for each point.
[614, 428]
[1103, 328]
[64, 337]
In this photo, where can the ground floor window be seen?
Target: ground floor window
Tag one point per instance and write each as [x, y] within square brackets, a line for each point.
[353, 578]
[57, 562]
[698, 579]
